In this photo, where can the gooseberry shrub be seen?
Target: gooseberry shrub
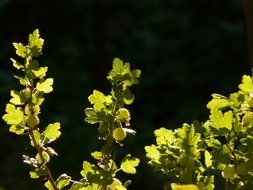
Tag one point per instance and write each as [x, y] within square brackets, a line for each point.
[108, 111]
[222, 146]
[191, 157]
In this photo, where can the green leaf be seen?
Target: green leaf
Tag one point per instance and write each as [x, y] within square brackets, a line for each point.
[121, 74]
[81, 185]
[120, 187]
[164, 136]
[97, 155]
[40, 72]
[35, 43]
[14, 115]
[152, 152]
[21, 50]
[36, 135]
[119, 67]
[91, 114]
[32, 120]
[133, 77]
[36, 70]
[38, 98]
[18, 129]
[247, 119]
[44, 160]
[128, 164]
[16, 98]
[135, 74]
[247, 84]
[99, 100]
[22, 80]
[52, 131]
[87, 168]
[37, 172]
[220, 120]
[34, 175]
[49, 186]
[184, 187]
[45, 86]
[62, 181]
[128, 97]
[218, 102]
[208, 159]
[16, 64]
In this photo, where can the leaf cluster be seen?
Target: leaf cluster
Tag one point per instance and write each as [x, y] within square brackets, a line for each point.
[109, 111]
[23, 110]
[223, 144]
[113, 117]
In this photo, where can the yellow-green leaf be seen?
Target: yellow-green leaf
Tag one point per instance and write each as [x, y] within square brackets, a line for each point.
[218, 102]
[16, 98]
[128, 164]
[32, 120]
[184, 187]
[16, 64]
[99, 100]
[13, 116]
[52, 131]
[164, 136]
[45, 86]
[36, 135]
[247, 84]
[220, 120]
[208, 159]
[62, 181]
[152, 152]
[19, 130]
[21, 50]
[35, 43]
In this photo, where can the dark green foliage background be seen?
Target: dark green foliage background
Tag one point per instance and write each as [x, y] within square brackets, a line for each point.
[186, 50]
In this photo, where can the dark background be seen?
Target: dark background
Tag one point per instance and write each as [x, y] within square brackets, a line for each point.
[186, 50]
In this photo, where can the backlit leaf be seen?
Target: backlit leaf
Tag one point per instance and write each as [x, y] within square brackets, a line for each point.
[62, 181]
[247, 84]
[208, 159]
[35, 43]
[97, 155]
[152, 152]
[16, 64]
[13, 116]
[218, 102]
[128, 164]
[220, 120]
[45, 86]
[52, 131]
[164, 136]
[21, 50]
[184, 187]
[87, 168]
[99, 100]
[16, 98]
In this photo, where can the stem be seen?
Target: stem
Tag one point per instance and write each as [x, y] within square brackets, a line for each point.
[39, 150]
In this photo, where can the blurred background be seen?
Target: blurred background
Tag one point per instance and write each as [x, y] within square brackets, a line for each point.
[186, 50]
